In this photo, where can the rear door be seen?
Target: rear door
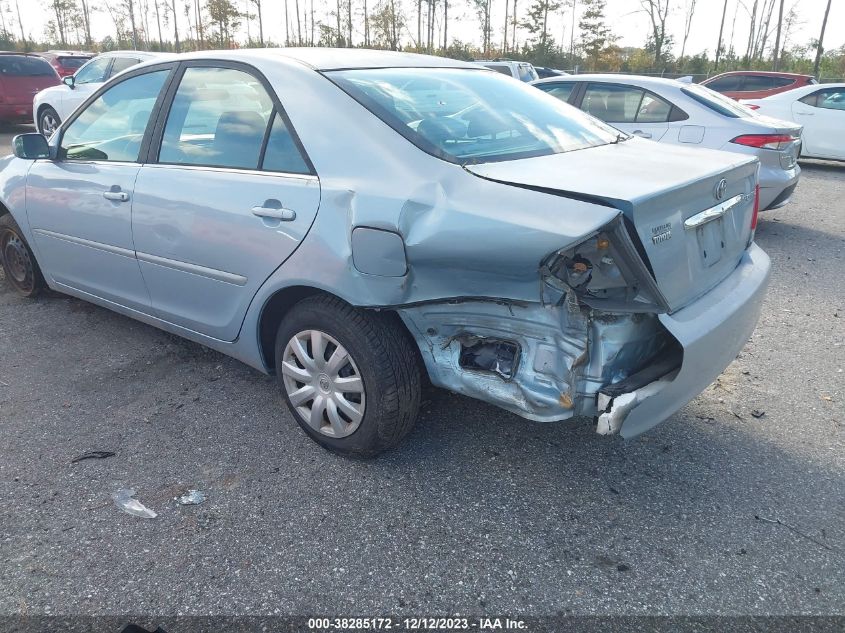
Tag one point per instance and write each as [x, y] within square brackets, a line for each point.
[628, 108]
[822, 114]
[79, 206]
[227, 195]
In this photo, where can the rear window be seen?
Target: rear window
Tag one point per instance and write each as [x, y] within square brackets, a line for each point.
[498, 120]
[23, 66]
[500, 68]
[72, 62]
[527, 73]
[717, 102]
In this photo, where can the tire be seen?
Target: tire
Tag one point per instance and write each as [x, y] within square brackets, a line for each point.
[19, 264]
[381, 356]
[48, 121]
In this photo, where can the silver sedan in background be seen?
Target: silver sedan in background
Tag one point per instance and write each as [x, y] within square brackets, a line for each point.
[315, 214]
[671, 111]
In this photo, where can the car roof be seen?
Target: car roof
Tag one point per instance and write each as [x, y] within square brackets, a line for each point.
[636, 80]
[765, 73]
[333, 58]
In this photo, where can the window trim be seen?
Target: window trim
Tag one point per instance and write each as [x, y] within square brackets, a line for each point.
[108, 85]
[151, 156]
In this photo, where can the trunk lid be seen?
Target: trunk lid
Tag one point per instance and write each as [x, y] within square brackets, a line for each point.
[662, 191]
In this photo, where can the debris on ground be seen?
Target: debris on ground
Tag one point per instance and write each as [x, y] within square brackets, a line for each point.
[777, 521]
[191, 498]
[123, 500]
[758, 413]
[92, 455]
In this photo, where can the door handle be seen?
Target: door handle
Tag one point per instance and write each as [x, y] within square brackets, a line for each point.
[642, 134]
[116, 196]
[273, 210]
[805, 114]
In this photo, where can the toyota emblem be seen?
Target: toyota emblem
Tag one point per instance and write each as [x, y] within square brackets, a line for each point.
[721, 189]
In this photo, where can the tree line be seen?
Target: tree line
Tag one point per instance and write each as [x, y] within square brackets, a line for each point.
[586, 41]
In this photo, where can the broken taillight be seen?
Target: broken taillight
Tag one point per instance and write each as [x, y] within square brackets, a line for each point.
[755, 212]
[765, 141]
[752, 106]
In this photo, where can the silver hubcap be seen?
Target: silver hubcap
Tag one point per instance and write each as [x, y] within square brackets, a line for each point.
[323, 383]
[48, 124]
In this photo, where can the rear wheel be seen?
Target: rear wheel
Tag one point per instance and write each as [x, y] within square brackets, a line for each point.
[48, 121]
[350, 377]
[18, 262]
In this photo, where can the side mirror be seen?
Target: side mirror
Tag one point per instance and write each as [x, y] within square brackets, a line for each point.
[30, 146]
[69, 81]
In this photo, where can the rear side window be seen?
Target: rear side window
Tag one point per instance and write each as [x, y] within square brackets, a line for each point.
[23, 66]
[112, 126]
[122, 63]
[561, 91]
[731, 83]
[72, 63]
[500, 68]
[219, 118]
[757, 82]
[782, 82]
[625, 104]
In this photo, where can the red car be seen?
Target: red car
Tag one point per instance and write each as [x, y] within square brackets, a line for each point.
[22, 75]
[753, 84]
[66, 62]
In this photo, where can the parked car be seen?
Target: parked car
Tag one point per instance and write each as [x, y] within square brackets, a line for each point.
[66, 63]
[317, 229]
[820, 109]
[518, 70]
[543, 72]
[680, 113]
[53, 105]
[748, 84]
[22, 75]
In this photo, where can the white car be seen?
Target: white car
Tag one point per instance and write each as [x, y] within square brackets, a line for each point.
[53, 105]
[683, 113]
[523, 71]
[819, 108]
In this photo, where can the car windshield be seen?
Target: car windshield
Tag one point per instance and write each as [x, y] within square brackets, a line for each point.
[474, 116]
[718, 102]
[23, 66]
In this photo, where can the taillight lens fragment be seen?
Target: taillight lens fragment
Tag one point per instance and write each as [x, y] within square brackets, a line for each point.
[756, 208]
[765, 141]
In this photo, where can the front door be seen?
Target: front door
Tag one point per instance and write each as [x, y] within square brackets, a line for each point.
[228, 199]
[79, 205]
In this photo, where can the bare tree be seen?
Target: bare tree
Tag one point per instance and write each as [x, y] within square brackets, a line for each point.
[721, 30]
[688, 15]
[657, 11]
[175, 30]
[505, 32]
[820, 45]
[20, 22]
[776, 61]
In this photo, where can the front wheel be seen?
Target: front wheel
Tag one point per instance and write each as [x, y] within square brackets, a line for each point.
[48, 121]
[18, 262]
[350, 377]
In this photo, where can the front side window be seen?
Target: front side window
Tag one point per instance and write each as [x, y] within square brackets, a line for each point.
[93, 72]
[218, 118]
[25, 66]
[560, 91]
[122, 63]
[112, 127]
[505, 120]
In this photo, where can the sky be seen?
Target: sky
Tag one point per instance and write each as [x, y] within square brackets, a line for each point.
[624, 16]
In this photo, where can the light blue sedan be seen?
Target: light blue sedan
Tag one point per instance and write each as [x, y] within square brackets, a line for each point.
[318, 215]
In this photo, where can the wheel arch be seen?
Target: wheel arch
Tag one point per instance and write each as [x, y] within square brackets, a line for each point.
[280, 303]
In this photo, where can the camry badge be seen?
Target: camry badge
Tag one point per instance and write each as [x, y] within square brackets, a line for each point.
[721, 189]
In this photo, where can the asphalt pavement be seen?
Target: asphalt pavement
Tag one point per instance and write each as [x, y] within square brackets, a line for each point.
[736, 505]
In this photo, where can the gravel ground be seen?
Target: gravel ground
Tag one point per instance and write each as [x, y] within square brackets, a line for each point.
[478, 512]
